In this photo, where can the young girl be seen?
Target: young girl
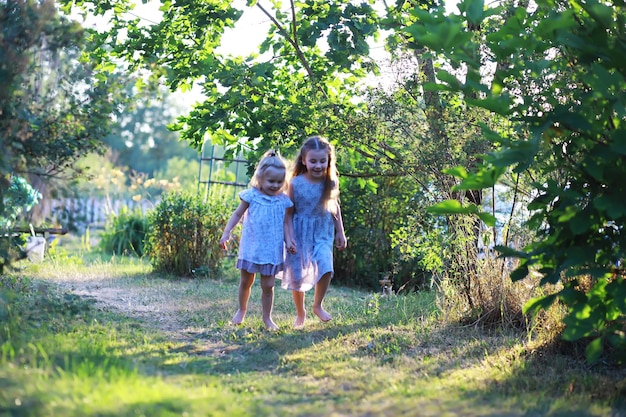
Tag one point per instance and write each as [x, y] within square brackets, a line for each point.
[261, 249]
[312, 225]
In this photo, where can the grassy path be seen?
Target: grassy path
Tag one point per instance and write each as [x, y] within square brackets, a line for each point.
[118, 341]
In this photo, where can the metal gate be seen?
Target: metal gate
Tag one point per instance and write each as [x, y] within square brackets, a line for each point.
[212, 163]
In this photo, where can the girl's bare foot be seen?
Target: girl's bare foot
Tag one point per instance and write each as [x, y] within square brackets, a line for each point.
[269, 323]
[299, 321]
[322, 314]
[239, 316]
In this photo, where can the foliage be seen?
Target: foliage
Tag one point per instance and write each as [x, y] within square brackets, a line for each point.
[20, 197]
[304, 81]
[404, 149]
[560, 79]
[125, 233]
[370, 219]
[53, 107]
[300, 82]
[140, 140]
[184, 233]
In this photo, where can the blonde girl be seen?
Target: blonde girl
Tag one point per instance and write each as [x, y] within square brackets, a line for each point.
[261, 248]
[312, 225]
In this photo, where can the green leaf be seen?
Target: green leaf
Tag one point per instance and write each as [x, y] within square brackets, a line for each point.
[452, 207]
[594, 349]
[475, 11]
[449, 79]
[618, 145]
[611, 204]
[499, 104]
[581, 223]
[507, 251]
[617, 289]
[534, 305]
[485, 177]
[583, 321]
[487, 218]
[519, 273]
[572, 296]
[522, 153]
[457, 171]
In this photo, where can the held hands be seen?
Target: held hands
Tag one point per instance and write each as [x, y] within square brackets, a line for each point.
[290, 244]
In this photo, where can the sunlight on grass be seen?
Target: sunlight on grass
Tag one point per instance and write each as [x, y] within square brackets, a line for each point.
[105, 336]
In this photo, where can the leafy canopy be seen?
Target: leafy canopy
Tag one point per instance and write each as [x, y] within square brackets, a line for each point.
[560, 77]
[300, 82]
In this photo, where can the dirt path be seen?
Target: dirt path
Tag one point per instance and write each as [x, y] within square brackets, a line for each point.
[149, 305]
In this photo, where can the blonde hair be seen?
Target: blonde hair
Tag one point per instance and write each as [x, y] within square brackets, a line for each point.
[331, 183]
[271, 159]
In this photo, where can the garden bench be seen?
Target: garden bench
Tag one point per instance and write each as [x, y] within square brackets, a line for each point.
[42, 231]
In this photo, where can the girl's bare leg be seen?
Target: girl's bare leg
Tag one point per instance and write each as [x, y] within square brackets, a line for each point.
[320, 292]
[298, 300]
[267, 301]
[245, 286]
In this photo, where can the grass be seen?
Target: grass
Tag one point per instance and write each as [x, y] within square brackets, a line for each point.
[96, 336]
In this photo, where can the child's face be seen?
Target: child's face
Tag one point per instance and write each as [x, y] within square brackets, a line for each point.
[272, 181]
[316, 162]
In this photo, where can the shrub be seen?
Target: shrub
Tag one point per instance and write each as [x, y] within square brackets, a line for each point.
[184, 234]
[19, 198]
[371, 220]
[125, 233]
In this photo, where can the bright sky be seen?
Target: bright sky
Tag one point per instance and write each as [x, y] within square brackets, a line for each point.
[244, 39]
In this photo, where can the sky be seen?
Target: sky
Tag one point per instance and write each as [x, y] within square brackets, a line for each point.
[245, 38]
[242, 40]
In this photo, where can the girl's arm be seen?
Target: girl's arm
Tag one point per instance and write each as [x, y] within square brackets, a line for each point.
[290, 241]
[340, 235]
[233, 221]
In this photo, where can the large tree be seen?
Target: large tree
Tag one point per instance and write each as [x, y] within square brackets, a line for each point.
[53, 109]
[561, 80]
[300, 82]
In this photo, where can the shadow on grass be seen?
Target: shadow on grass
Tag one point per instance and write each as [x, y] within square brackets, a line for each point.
[103, 341]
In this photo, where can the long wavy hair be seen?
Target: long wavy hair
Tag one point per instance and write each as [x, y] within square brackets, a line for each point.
[331, 183]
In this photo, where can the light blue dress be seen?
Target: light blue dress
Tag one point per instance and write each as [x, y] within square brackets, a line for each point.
[262, 243]
[314, 231]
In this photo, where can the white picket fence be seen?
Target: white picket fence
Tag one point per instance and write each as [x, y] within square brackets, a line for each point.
[82, 213]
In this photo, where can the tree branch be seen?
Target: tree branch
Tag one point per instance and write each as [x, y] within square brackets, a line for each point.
[293, 42]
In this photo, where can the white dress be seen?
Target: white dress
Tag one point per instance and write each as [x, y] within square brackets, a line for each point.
[314, 232]
[262, 243]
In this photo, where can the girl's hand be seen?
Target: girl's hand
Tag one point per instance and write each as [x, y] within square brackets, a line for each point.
[224, 240]
[340, 241]
[291, 247]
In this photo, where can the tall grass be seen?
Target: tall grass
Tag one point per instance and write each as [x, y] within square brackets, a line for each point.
[108, 337]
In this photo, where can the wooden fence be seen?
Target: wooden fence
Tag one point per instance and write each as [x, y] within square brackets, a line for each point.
[78, 214]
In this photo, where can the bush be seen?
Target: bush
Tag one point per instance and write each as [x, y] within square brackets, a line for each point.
[184, 234]
[19, 198]
[125, 233]
[371, 219]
